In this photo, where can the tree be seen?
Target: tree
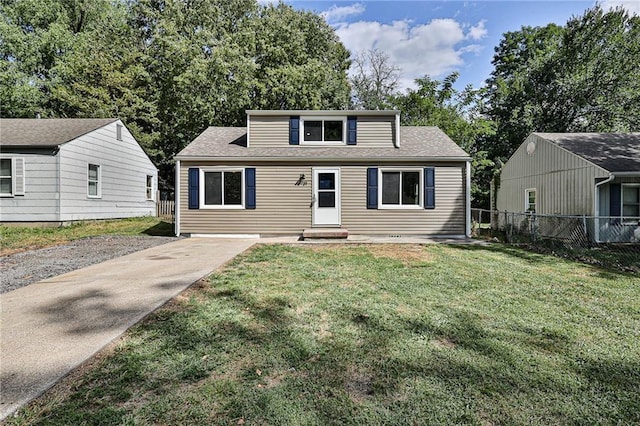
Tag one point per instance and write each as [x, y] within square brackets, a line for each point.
[374, 81]
[583, 77]
[459, 115]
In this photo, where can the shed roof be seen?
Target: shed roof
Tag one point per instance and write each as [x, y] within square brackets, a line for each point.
[614, 152]
[416, 143]
[47, 131]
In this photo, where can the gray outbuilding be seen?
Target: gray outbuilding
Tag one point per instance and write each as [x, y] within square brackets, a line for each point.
[583, 174]
[65, 170]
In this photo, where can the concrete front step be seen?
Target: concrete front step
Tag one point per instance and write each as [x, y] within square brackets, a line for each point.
[325, 233]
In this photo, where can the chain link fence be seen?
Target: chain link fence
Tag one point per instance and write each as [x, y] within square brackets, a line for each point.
[608, 241]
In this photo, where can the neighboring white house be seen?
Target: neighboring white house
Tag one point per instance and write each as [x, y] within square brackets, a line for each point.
[62, 170]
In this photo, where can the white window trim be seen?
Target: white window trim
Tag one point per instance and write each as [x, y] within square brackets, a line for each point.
[119, 131]
[622, 187]
[323, 119]
[152, 192]
[527, 191]
[221, 207]
[99, 181]
[418, 206]
[12, 176]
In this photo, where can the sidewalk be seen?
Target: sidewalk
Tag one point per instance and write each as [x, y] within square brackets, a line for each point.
[49, 328]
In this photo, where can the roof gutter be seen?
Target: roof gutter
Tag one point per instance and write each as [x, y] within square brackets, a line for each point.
[323, 160]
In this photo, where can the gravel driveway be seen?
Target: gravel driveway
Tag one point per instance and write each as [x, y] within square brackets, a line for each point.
[20, 269]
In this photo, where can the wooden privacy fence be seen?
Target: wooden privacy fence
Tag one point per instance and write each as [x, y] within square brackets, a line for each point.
[165, 209]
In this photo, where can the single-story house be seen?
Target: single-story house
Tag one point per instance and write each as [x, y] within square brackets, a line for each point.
[63, 170]
[341, 171]
[585, 174]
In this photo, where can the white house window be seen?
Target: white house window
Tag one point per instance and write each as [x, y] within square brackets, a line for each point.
[530, 200]
[631, 200]
[222, 188]
[6, 177]
[400, 188]
[149, 187]
[323, 131]
[119, 132]
[93, 181]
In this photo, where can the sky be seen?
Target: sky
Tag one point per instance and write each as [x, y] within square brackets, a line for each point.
[438, 37]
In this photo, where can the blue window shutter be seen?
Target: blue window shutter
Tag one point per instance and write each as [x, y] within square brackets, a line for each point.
[429, 188]
[352, 130]
[250, 187]
[194, 188]
[615, 199]
[372, 188]
[294, 130]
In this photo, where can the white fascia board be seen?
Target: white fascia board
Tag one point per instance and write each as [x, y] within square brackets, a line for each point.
[328, 159]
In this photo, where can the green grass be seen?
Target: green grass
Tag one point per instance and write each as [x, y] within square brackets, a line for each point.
[392, 334]
[14, 238]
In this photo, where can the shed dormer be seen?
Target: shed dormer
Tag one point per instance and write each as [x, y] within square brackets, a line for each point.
[304, 128]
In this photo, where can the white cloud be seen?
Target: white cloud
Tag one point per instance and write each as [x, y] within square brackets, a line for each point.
[338, 13]
[477, 31]
[632, 6]
[435, 48]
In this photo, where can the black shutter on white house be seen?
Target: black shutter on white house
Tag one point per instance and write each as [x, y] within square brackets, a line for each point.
[194, 188]
[615, 199]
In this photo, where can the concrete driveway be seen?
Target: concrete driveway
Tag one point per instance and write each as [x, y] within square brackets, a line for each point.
[51, 327]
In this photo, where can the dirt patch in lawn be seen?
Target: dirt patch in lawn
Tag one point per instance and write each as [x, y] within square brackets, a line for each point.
[407, 253]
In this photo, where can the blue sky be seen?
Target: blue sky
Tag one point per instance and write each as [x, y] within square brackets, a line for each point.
[438, 37]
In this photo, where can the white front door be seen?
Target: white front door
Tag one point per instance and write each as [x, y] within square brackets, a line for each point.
[326, 197]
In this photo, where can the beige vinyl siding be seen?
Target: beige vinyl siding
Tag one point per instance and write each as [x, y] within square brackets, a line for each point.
[281, 206]
[563, 181]
[448, 218]
[269, 131]
[284, 208]
[376, 132]
[273, 132]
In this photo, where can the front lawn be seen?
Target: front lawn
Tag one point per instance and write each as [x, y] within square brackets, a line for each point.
[380, 334]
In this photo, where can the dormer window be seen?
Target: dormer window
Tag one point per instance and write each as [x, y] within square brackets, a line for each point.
[317, 130]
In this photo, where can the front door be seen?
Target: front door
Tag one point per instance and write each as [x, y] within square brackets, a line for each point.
[326, 197]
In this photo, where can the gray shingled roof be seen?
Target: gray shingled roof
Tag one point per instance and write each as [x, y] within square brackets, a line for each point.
[615, 152]
[47, 131]
[415, 143]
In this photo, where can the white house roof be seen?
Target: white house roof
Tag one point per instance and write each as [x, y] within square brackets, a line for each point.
[614, 152]
[47, 131]
[417, 143]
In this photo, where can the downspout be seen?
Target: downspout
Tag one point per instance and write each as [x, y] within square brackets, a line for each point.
[397, 141]
[596, 205]
[177, 199]
[468, 202]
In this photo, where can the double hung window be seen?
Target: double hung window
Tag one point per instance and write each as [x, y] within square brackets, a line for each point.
[6, 177]
[631, 201]
[400, 188]
[222, 188]
[323, 131]
[530, 200]
[93, 181]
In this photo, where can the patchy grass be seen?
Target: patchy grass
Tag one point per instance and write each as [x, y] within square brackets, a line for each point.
[14, 239]
[390, 334]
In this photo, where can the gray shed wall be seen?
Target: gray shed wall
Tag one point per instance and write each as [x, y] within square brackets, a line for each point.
[563, 181]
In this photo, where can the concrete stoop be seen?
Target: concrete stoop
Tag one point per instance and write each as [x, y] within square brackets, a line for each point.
[325, 233]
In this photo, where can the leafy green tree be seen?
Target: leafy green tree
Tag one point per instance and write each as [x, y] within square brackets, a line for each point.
[583, 77]
[457, 113]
